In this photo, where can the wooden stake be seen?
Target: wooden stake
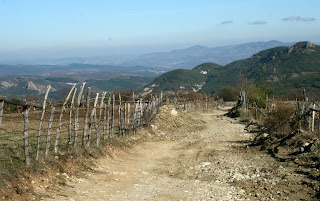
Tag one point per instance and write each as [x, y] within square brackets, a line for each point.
[76, 116]
[48, 132]
[313, 117]
[1, 111]
[101, 105]
[63, 108]
[94, 111]
[125, 118]
[26, 136]
[112, 119]
[70, 116]
[119, 116]
[109, 117]
[128, 116]
[41, 120]
[85, 125]
[104, 121]
[93, 117]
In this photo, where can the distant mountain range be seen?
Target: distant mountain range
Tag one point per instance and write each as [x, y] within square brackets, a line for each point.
[196, 55]
[285, 69]
[208, 77]
[33, 79]
[180, 58]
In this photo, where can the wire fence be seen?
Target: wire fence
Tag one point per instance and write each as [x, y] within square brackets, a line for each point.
[47, 129]
[36, 131]
[298, 114]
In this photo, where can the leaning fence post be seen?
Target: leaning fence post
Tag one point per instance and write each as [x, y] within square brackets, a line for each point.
[1, 111]
[101, 105]
[94, 113]
[48, 132]
[63, 108]
[26, 136]
[76, 116]
[86, 117]
[41, 120]
[70, 116]
[93, 117]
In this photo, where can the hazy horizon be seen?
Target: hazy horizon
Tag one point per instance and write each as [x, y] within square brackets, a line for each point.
[38, 29]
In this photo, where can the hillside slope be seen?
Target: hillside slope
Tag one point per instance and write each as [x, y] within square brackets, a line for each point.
[183, 79]
[286, 69]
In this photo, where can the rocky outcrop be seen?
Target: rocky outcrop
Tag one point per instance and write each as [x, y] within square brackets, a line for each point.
[301, 47]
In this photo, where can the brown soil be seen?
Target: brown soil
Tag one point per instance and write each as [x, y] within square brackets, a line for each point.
[194, 156]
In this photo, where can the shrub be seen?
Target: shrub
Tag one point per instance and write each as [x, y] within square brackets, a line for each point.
[228, 93]
[257, 94]
[281, 120]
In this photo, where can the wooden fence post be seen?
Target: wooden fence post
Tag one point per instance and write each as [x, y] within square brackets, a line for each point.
[92, 118]
[70, 116]
[139, 113]
[125, 117]
[104, 121]
[86, 117]
[1, 111]
[101, 104]
[133, 97]
[89, 129]
[26, 136]
[48, 132]
[101, 107]
[63, 108]
[313, 116]
[41, 120]
[76, 116]
[319, 123]
[109, 116]
[206, 103]
[128, 116]
[94, 113]
[112, 119]
[134, 117]
[119, 116]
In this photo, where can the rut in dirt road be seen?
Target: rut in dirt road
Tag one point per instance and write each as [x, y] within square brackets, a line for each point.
[211, 163]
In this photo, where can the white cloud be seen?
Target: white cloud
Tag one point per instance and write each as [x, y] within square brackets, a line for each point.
[227, 22]
[258, 22]
[298, 18]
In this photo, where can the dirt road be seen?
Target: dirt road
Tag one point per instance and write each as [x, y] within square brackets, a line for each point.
[207, 161]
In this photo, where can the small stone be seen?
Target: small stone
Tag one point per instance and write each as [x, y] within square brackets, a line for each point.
[241, 192]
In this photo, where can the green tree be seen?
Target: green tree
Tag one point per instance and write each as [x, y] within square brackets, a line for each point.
[228, 93]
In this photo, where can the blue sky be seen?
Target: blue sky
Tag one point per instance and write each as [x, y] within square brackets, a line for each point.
[147, 25]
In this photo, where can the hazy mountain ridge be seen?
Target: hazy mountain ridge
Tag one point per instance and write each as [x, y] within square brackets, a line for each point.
[207, 77]
[288, 69]
[196, 55]
[180, 58]
[33, 79]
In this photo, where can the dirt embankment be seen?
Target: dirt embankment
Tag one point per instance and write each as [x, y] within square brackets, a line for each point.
[195, 156]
